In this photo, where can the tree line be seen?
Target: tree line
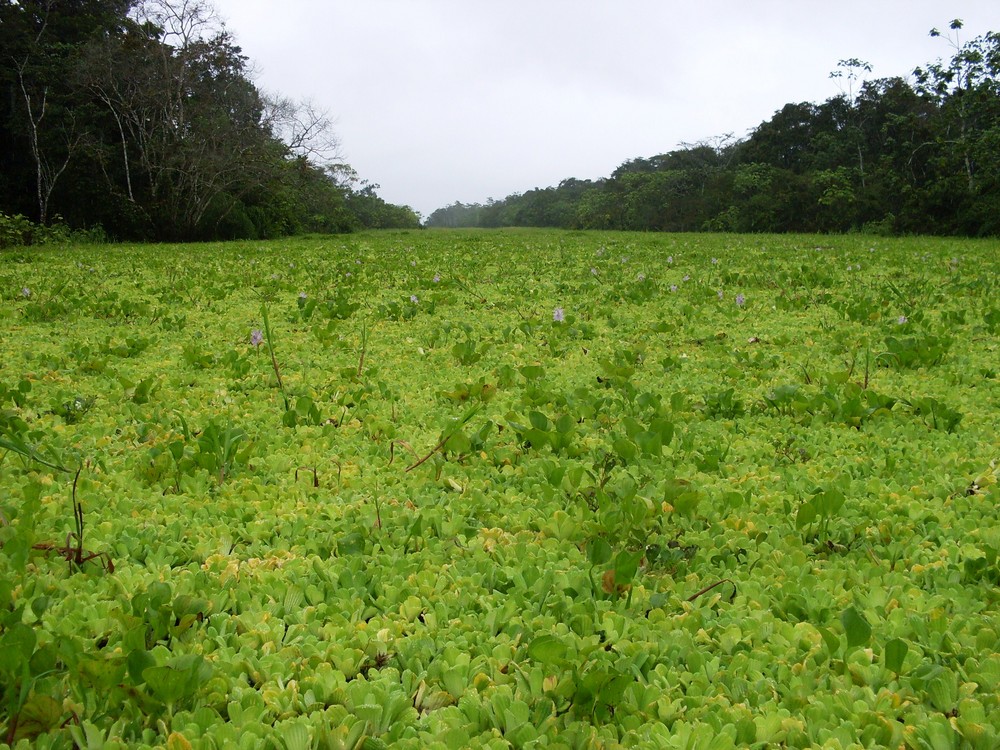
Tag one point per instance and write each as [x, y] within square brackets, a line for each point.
[890, 155]
[138, 118]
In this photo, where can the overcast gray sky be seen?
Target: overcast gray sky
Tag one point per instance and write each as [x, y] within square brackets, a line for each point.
[440, 101]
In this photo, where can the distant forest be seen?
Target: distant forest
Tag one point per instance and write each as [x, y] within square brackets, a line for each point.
[137, 119]
[886, 156]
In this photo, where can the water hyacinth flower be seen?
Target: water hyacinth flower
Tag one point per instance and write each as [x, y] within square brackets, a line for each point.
[721, 294]
[670, 259]
[25, 292]
[740, 300]
[715, 261]
[593, 272]
[414, 299]
[558, 315]
[302, 295]
[902, 319]
[687, 277]
[437, 278]
[256, 337]
[673, 287]
[641, 276]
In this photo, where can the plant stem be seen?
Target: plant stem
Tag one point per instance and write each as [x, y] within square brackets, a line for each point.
[364, 348]
[78, 515]
[274, 359]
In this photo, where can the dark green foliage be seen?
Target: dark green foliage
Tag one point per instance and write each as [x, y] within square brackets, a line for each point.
[95, 139]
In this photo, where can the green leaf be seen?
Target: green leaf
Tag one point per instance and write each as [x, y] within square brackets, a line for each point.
[626, 449]
[895, 654]
[539, 421]
[39, 604]
[806, 515]
[40, 714]
[565, 424]
[664, 428]
[178, 680]
[831, 639]
[650, 443]
[6, 594]
[828, 503]
[138, 661]
[295, 736]
[614, 690]
[856, 627]
[547, 649]
[458, 443]
[43, 660]
[168, 684]
[103, 673]
[686, 502]
[632, 427]
[600, 551]
[626, 566]
[16, 647]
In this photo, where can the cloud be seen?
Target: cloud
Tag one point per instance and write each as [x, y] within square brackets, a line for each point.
[445, 100]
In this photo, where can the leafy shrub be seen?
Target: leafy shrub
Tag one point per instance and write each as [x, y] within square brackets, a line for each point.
[19, 231]
[918, 350]
[16, 230]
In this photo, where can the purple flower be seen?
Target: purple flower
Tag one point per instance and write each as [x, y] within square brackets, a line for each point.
[593, 272]
[687, 277]
[302, 295]
[437, 278]
[902, 319]
[25, 292]
[721, 294]
[414, 299]
[740, 300]
[256, 337]
[558, 315]
[641, 277]
[670, 259]
[673, 287]
[715, 261]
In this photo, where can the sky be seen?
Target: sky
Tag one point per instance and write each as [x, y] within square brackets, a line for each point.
[439, 101]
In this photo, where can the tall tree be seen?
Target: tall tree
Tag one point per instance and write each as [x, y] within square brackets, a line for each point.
[967, 90]
[41, 117]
